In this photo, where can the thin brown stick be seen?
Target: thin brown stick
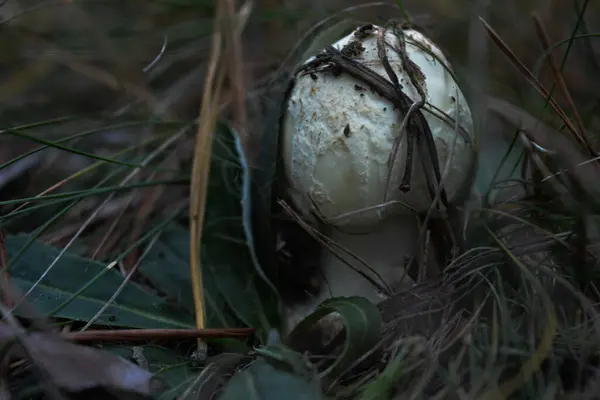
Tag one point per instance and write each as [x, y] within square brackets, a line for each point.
[134, 335]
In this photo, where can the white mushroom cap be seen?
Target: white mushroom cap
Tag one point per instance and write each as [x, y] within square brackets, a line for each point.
[338, 135]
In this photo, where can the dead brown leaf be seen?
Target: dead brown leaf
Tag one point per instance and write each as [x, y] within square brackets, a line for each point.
[75, 368]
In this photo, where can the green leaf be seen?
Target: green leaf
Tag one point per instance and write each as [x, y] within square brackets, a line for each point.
[264, 381]
[362, 322]
[167, 266]
[234, 283]
[134, 307]
[227, 250]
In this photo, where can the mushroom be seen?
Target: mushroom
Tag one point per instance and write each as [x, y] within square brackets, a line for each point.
[344, 154]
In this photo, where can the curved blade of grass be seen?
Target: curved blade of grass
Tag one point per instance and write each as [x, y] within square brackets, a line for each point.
[362, 322]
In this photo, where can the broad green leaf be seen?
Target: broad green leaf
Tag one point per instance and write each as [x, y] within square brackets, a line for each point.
[362, 322]
[262, 380]
[234, 283]
[134, 307]
[227, 250]
[167, 266]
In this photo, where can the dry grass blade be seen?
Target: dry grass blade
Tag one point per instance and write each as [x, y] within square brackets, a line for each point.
[209, 110]
[536, 84]
[201, 169]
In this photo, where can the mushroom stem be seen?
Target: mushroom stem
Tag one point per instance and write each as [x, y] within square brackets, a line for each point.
[384, 249]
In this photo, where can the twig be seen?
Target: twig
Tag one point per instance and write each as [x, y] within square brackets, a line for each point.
[150, 334]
